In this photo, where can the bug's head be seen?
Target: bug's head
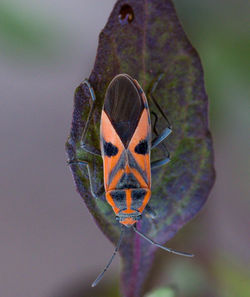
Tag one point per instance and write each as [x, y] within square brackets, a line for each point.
[128, 220]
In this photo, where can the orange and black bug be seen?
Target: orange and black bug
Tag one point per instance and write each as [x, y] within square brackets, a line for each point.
[126, 143]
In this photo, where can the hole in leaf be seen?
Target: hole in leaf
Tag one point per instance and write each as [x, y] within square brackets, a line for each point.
[126, 14]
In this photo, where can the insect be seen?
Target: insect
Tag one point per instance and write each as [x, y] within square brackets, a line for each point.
[126, 143]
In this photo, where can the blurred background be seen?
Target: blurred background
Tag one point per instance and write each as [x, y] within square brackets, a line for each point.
[50, 245]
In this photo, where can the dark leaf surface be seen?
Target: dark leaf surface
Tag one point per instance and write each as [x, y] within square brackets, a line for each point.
[147, 41]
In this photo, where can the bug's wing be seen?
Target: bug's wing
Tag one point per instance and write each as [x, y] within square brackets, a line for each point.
[139, 149]
[112, 150]
[123, 105]
[125, 122]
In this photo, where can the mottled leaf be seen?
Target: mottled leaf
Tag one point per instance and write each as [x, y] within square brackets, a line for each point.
[145, 39]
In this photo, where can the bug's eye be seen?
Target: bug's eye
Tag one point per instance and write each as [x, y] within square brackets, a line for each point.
[110, 149]
[142, 147]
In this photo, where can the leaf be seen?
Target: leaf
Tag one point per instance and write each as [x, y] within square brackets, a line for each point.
[145, 39]
[23, 34]
[162, 292]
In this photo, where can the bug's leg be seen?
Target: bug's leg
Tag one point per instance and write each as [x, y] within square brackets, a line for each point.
[159, 163]
[165, 133]
[97, 191]
[150, 94]
[84, 145]
[155, 122]
[150, 211]
[160, 137]
[165, 160]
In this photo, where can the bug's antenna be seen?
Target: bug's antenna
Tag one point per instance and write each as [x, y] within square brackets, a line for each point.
[99, 277]
[161, 246]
